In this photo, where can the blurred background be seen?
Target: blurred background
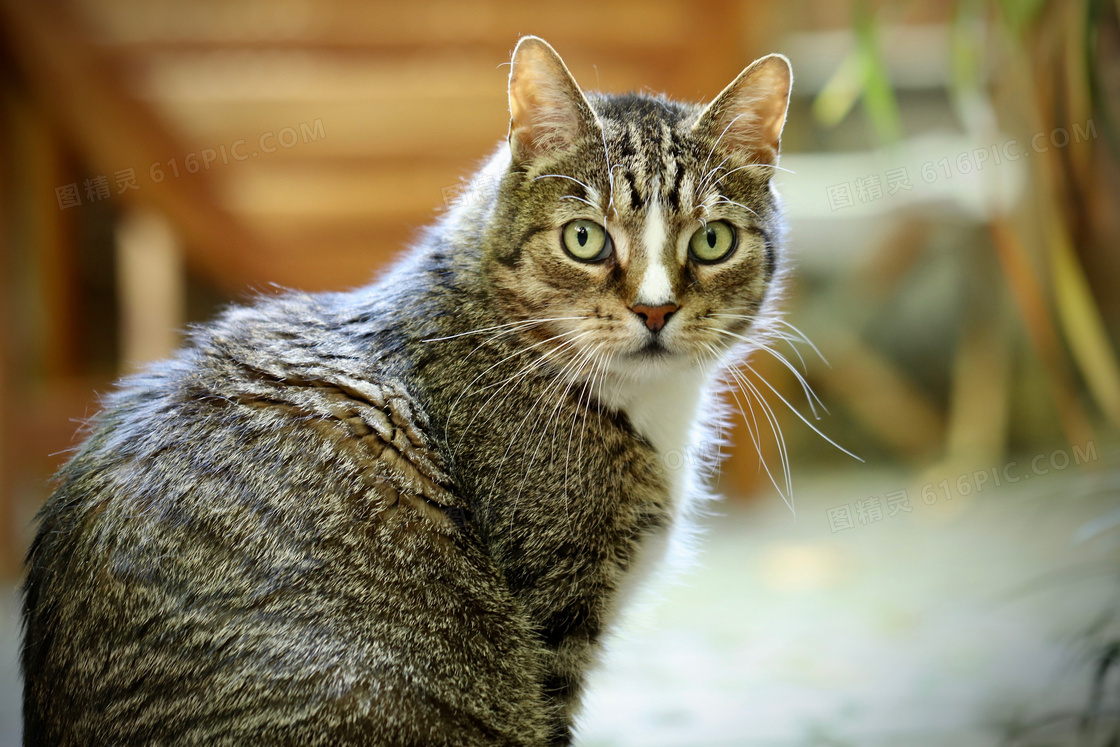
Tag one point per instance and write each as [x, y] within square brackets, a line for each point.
[953, 196]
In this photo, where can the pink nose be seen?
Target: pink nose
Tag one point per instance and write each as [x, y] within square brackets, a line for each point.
[655, 317]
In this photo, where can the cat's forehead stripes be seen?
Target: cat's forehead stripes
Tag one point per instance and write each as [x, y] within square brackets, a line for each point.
[650, 159]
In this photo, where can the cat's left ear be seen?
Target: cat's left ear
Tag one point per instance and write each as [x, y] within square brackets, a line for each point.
[747, 117]
[547, 110]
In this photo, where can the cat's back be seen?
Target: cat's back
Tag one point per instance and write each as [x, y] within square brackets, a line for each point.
[255, 539]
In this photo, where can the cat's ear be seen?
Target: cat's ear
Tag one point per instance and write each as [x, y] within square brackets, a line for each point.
[747, 117]
[547, 110]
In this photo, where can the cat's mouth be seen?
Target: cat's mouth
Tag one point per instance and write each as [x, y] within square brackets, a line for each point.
[653, 349]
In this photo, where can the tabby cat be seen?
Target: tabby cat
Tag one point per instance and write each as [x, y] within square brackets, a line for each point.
[408, 514]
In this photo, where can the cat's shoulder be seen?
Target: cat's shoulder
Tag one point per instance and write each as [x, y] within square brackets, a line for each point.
[302, 379]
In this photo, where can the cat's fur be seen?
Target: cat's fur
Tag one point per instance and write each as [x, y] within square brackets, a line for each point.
[406, 515]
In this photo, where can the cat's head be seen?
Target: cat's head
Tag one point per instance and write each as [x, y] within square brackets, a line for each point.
[643, 232]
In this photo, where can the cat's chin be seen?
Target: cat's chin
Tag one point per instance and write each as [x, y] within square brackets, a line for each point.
[652, 350]
[655, 360]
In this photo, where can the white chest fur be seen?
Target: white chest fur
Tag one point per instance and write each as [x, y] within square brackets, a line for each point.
[666, 411]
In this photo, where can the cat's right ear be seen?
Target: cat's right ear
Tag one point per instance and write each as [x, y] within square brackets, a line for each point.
[547, 110]
[748, 116]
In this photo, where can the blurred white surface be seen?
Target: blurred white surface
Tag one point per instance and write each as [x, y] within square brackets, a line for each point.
[941, 626]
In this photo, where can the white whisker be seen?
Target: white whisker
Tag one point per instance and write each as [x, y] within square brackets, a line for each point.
[554, 383]
[755, 433]
[721, 200]
[565, 176]
[758, 344]
[797, 412]
[521, 322]
[580, 199]
[517, 376]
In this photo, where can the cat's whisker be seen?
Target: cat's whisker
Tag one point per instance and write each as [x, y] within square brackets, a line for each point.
[592, 387]
[494, 338]
[610, 203]
[792, 346]
[720, 138]
[553, 384]
[610, 172]
[803, 337]
[581, 183]
[519, 351]
[585, 358]
[479, 331]
[750, 166]
[774, 166]
[516, 376]
[797, 412]
[766, 329]
[580, 199]
[585, 392]
[542, 359]
[750, 390]
[519, 375]
[810, 395]
[521, 322]
[716, 357]
[503, 333]
[760, 327]
[602, 375]
[755, 433]
[725, 201]
[704, 185]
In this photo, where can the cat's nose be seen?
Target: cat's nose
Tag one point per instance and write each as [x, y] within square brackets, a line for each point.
[655, 317]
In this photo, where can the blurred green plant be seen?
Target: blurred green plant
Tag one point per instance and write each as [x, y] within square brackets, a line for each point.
[1024, 67]
[862, 74]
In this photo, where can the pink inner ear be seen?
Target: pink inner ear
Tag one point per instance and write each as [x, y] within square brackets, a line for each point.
[753, 122]
[544, 116]
[749, 117]
[547, 109]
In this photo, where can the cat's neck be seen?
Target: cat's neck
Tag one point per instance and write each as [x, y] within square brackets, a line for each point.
[662, 408]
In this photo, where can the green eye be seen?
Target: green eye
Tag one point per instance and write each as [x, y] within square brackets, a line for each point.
[587, 241]
[712, 242]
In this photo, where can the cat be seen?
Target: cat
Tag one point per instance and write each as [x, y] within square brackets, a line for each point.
[408, 514]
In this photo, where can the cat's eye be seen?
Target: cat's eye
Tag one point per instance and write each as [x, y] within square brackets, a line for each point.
[587, 241]
[712, 242]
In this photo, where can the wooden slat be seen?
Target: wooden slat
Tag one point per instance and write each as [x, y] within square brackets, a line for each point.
[400, 27]
[247, 79]
[358, 129]
[1028, 293]
[47, 246]
[291, 192]
[151, 288]
[9, 539]
[114, 132]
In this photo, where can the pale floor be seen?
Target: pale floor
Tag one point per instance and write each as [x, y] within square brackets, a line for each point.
[937, 627]
[942, 626]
